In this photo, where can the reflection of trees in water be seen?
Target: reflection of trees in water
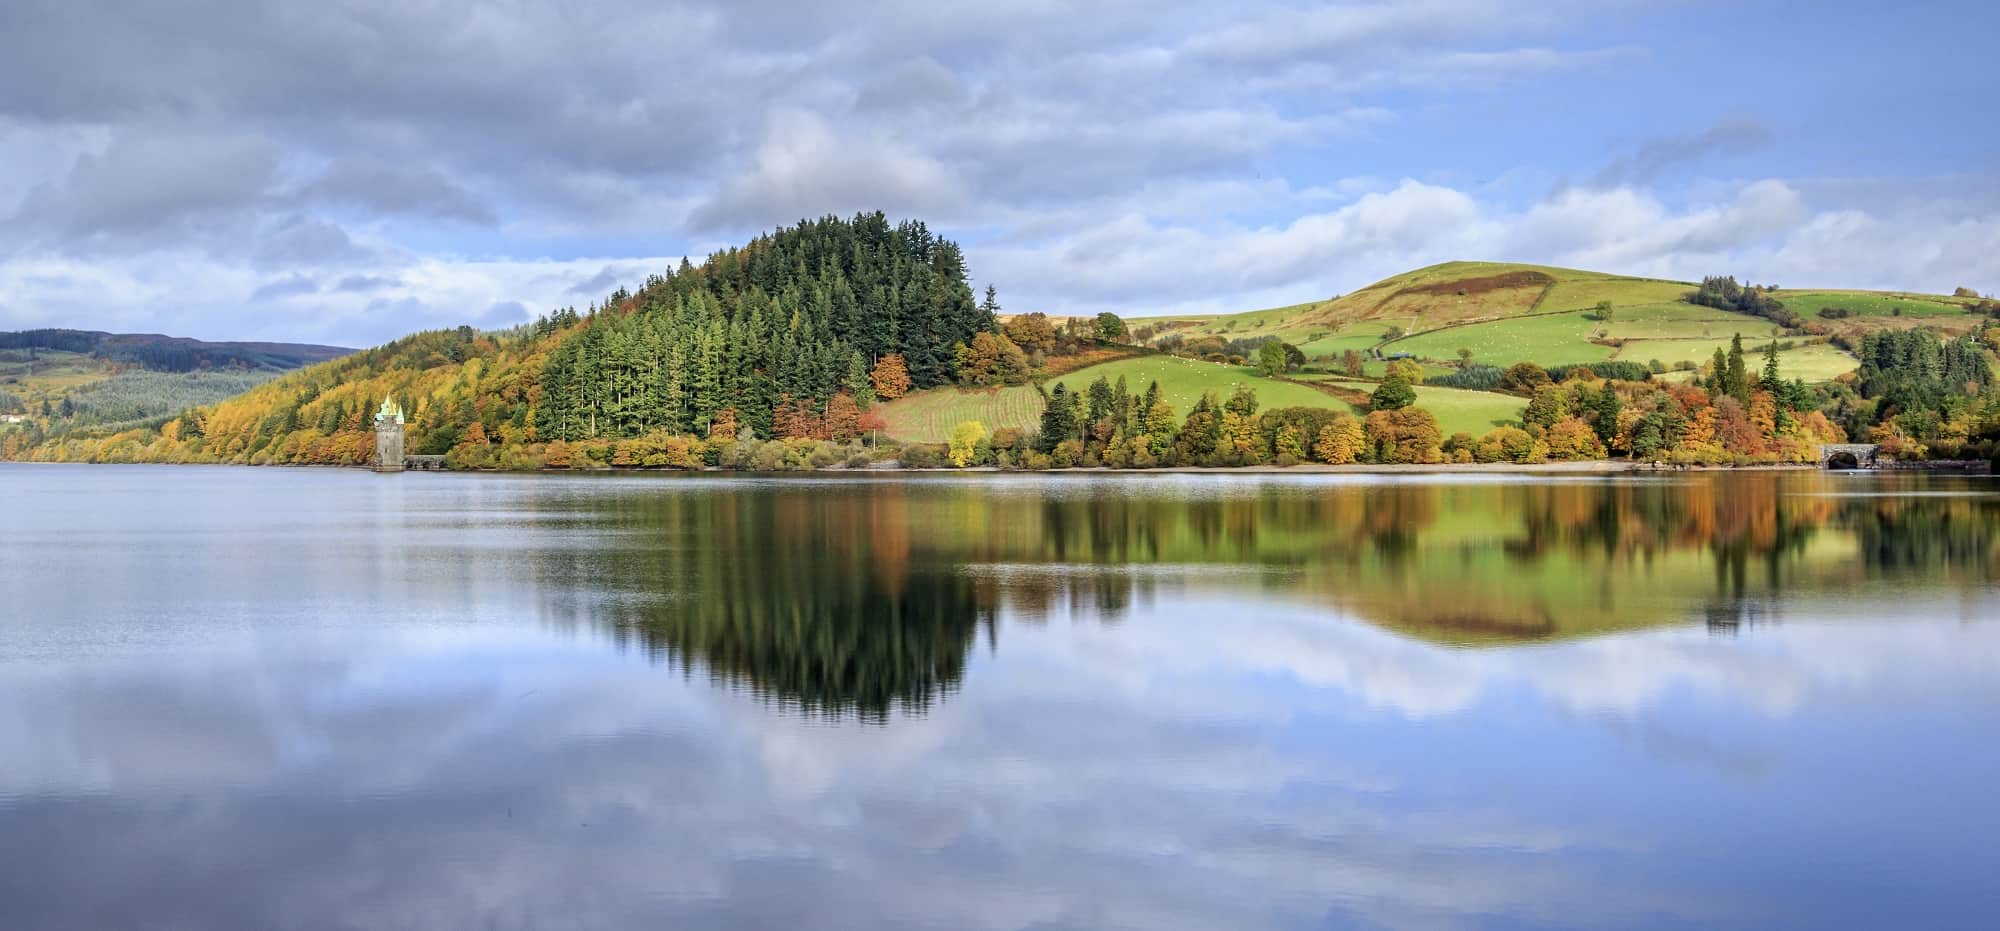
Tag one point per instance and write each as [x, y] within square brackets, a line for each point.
[837, 597]
[807, 596]
[1951, 534]
[1730, 616]
[814, 644]
[1033, 595]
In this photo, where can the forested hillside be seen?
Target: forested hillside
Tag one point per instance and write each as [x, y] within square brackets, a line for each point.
[789, 336]
[775, 330]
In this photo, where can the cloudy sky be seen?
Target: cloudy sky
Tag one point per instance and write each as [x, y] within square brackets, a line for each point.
[350, 170]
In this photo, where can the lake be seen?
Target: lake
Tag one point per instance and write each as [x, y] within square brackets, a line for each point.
[277, 698]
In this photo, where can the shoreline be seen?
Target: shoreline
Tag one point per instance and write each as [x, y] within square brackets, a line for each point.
[1586, 467]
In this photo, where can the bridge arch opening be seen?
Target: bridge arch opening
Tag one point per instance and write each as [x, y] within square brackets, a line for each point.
[1843, 460]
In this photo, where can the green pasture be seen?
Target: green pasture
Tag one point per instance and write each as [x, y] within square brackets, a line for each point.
[1545, 339]
[1357, 336]
[1184, 381]
[1456, 409]
[1807, 304]
[928, 416]
[1583, 290]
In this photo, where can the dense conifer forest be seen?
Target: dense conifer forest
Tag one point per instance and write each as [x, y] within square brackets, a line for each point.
[777, 329]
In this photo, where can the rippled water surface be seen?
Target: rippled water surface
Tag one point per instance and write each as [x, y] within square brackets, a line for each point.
[262, 698]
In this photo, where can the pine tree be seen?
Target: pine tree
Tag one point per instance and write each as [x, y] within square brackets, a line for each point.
[856, 381]
[1736, 383]
[1058, 419]
[1100, 398]
[1121, 405]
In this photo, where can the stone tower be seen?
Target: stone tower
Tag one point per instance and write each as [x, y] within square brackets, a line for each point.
[389, 437]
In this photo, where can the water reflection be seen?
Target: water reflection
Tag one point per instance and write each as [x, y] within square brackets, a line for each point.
[247, 698]
[833, 597]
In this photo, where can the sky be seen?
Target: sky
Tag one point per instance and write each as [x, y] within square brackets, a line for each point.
[348, 171]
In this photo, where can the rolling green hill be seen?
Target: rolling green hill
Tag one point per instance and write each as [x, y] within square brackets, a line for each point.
[1506, 313]
[1501, 313]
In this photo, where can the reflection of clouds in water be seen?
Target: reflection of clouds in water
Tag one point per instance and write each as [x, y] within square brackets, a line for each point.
[406, 783]
[1133, 777]
[1823, 649]
[301, 754]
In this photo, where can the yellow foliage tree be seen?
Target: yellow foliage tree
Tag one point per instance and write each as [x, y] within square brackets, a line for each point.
[1340, 441]
[557, 455]
[1406, 369]
[1572, 439]
[965, 442]
[1408, 435]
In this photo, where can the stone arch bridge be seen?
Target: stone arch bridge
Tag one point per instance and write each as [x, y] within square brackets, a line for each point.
[1848, 455]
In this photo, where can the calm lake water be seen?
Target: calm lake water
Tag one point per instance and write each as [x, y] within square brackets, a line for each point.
[264, 698]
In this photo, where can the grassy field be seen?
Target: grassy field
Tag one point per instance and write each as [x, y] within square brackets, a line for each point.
[1681, 321]
[1183, 381]
[1814, 362]
[1807, 304]
[1817, 362]
[928, 416]
[1256, 322]
[1583, 291]
[1670, 351]
[1456, 409]
[1545, 339]
[1341, 338]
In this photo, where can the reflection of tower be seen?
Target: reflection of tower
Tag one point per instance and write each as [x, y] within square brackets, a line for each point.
[389, 437]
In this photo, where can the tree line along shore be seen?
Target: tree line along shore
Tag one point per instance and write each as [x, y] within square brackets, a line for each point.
[795, 351]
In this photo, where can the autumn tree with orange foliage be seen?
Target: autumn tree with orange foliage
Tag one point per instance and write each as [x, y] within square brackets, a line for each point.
[723, 425]
[891, 377]
[843, 417]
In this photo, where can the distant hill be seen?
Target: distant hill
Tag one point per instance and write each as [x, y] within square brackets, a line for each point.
[70, 379]
[1504, 313]
[157, 353]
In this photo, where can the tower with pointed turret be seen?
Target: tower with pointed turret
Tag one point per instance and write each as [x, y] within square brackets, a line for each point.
[389, 437]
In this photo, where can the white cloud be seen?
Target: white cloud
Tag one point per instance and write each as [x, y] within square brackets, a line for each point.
[1763, 229]
[1137, 157]
[189, 294]
[802, 169]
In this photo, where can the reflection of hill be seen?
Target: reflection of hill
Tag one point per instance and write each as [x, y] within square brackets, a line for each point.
[1540, 562]
[805, 596]
[837, 596]
[825, 648]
